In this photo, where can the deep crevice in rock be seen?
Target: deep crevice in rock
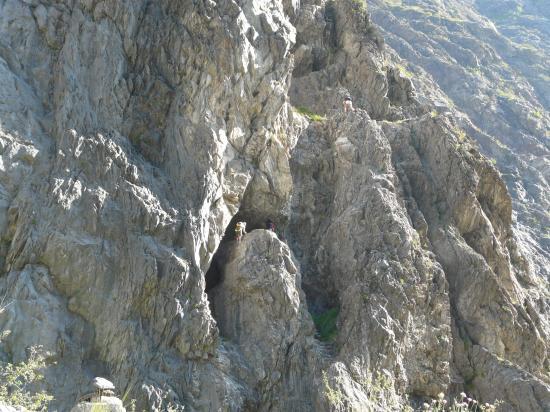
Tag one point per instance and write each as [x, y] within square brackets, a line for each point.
[215, 273]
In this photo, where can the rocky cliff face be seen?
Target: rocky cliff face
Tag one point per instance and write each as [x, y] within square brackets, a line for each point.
[135, 134]
[486, 62]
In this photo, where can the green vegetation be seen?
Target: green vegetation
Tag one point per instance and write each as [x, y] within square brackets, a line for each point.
[17, 379]
[334, 396]
[381, 392]
[460, 134]
[326, 324]
[476, 71]
[403, 70]
[507, 93]
[314, 117]
[537, 114]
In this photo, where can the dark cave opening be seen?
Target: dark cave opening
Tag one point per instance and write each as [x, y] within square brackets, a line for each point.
[322, 299]
[324, 306]
[215, 274]
[254, 220]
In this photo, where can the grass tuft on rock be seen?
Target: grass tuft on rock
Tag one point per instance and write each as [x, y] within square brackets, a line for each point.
[314, 117]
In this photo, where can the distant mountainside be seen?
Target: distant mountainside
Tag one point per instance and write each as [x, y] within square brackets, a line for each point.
[491, 61]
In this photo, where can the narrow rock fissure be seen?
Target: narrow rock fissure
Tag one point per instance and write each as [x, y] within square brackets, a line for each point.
[324, 308]
[215, 273]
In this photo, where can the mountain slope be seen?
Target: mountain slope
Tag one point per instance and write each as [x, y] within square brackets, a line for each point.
[135, 134]
[490, 62]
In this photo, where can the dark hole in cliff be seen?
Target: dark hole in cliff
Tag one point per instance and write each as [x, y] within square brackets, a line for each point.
[324, 308]
[322, 299]
[215, 273]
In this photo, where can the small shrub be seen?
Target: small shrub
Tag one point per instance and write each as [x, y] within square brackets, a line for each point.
[403, 70]
[334, 396]
[381, 392]
[507, 94]
[16, 380]
[460, 134]
[361, 5]
[475, 71]
[326, 324]
[537, 114]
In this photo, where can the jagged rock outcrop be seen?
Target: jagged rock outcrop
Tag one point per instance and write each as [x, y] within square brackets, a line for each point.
[134, 134]
[392, 246]
[381, 278]
[461, 212]
[487, 63]
[260, 308]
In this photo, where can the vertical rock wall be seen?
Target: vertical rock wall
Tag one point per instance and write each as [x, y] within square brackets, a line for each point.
[133, 133]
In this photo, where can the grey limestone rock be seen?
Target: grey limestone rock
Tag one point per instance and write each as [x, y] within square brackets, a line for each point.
[489, 65]
[134, 134]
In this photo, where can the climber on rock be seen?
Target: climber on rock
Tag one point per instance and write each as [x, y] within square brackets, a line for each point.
[269, 225]
[240, 230]
[348, 104]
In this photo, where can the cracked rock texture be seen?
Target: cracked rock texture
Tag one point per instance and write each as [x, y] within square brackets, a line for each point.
[134, 134]
[487, 62]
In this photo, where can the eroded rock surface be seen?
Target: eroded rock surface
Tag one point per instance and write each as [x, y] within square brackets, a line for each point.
[487, 62]
[135, 134]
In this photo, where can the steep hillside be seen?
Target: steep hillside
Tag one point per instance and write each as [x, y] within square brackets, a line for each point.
[489, 61]
[135, 134]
